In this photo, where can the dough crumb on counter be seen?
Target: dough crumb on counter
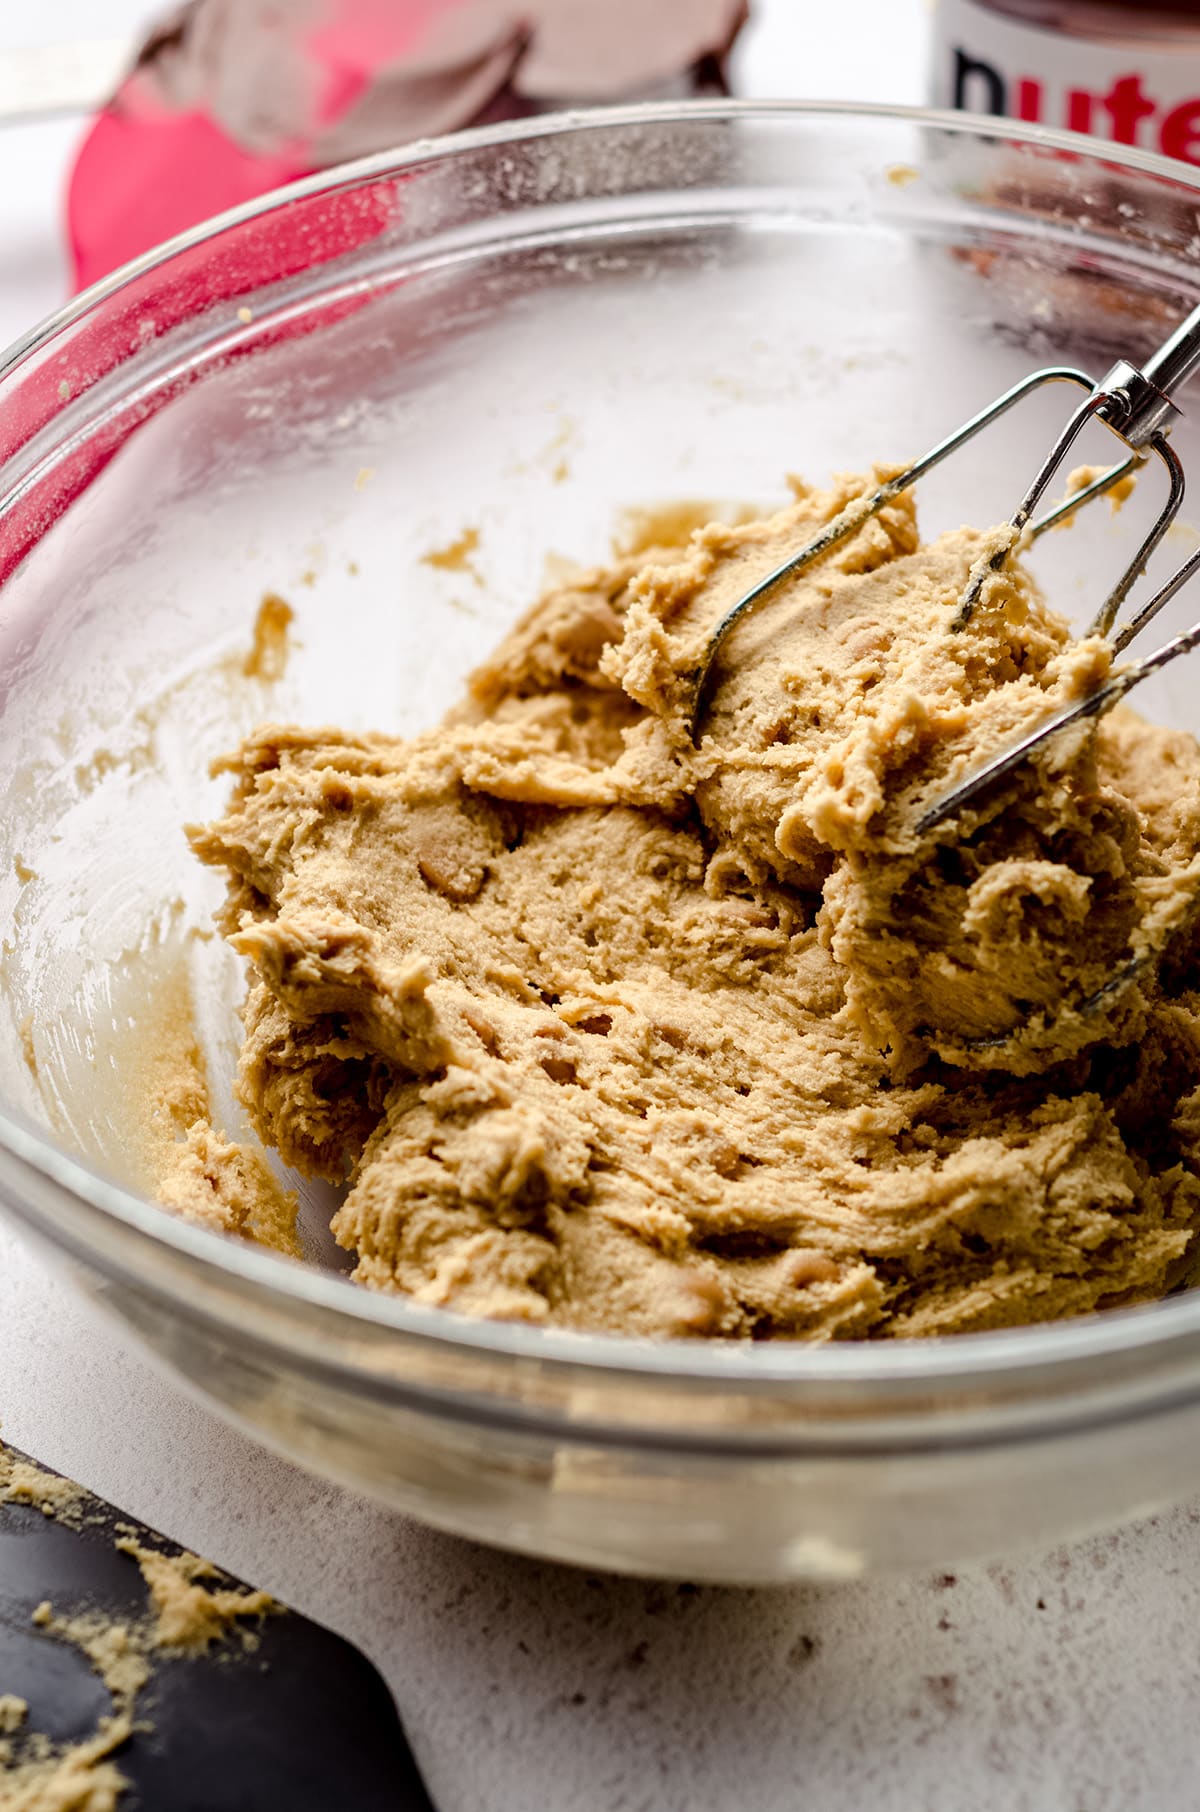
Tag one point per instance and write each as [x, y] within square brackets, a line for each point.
[81, 1778]
[610, 1029]
[190, 1614]
[13, 1712]
[21, 1482]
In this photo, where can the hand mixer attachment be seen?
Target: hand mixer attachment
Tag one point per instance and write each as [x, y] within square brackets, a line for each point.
[1135, 404]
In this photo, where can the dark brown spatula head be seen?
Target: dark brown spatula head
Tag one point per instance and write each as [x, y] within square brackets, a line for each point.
[300, 1719]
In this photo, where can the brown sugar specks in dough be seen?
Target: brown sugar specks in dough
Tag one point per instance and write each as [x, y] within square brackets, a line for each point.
[607, 1030]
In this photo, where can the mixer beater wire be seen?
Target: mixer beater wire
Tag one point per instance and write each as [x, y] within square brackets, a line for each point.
[1135, 404]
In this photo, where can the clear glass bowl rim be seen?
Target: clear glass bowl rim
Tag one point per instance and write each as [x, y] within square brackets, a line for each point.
[1148, 1333]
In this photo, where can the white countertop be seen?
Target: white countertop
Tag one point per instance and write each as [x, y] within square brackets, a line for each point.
[1062, 1682]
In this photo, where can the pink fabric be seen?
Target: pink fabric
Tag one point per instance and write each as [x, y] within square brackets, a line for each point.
[113, 211]
[234, 97]
[318, 230]
[147, 170]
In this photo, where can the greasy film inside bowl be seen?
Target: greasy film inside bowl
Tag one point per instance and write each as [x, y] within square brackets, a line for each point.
[524, 358]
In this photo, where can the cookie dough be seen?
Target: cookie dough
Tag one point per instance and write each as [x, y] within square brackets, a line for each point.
[608, 1029]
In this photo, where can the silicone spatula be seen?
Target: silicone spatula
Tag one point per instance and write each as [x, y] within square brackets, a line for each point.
[297, 1719]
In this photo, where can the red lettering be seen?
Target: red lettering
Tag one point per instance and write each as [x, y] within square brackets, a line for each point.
[1029, 100]
[1079, 110]
[1180, 136]
[1128, 105]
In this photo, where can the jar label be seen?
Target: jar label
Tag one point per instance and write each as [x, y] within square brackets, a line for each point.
[1132, 94]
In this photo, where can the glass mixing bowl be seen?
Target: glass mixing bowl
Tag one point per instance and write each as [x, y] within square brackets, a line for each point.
[486, 349]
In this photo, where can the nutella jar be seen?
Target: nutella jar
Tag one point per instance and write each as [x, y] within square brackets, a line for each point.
[1129, 73]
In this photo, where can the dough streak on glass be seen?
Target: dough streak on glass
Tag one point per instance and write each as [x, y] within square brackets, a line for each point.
[608, 1031]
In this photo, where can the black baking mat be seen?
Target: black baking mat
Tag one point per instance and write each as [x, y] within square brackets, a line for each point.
[302, 1722]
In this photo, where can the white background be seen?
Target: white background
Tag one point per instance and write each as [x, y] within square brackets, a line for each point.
[1067, 1682]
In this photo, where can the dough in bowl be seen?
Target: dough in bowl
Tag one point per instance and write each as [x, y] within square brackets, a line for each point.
[610, 1030]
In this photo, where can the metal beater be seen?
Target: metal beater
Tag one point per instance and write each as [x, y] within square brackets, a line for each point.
[1135, 403]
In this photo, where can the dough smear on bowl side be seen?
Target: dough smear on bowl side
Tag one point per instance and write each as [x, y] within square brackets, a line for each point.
[607, 1030]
